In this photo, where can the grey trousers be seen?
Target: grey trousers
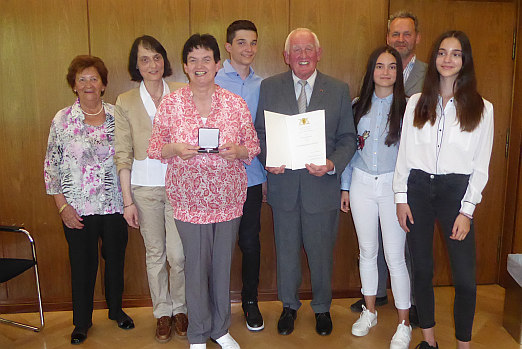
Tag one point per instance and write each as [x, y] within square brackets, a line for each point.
[208, 256]
[163, 248]
[317, 233]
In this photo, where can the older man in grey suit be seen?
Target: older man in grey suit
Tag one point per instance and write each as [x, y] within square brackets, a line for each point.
[305, 203]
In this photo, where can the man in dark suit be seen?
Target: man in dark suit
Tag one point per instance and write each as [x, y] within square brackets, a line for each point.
[305, 202]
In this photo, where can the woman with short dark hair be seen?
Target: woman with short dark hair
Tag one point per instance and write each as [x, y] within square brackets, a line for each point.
[145, 201]
[442, 168]
[80, 174]
[206, 183]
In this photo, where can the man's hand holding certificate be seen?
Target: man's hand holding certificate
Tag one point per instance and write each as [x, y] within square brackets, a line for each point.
[295, 140]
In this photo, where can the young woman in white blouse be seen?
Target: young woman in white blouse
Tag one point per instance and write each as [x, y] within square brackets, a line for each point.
[368, 177]
[441, 170]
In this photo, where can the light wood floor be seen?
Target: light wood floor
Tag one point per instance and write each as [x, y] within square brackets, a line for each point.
[488, 332]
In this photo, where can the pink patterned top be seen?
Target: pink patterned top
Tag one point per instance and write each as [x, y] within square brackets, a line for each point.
[206, 188]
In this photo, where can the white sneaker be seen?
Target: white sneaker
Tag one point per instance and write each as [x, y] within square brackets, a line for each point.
[366, 320]
[401, 338]
[198, 346]
[227, 342]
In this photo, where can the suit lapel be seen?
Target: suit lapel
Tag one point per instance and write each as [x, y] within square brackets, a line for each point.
[143, 115]
[316, 101]
[411, 77]
[288, 92]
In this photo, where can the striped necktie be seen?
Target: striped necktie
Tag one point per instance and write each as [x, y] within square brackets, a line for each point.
[301, 101]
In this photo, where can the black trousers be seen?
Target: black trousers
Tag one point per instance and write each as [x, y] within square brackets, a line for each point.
[83, 256]
[439, 197]
[249, 244]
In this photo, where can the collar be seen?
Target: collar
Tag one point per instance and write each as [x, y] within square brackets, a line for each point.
[388, 99]
[148, 103]
[451, 103]
[229, 69]
[76, 111]
[411, 63]
[310, 80]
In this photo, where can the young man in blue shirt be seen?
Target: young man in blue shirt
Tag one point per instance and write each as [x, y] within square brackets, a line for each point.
[238, 77]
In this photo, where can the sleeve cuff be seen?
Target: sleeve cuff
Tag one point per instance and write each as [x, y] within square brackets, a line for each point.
[467, 208]
[401, 198]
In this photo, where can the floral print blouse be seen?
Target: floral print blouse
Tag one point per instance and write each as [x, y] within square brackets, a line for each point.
[206, 188]
[79, 162]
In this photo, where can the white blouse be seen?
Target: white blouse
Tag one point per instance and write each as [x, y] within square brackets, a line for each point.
[149, 172]
[442, 148]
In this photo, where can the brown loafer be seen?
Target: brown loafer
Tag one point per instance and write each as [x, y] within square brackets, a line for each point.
[180, 323]
[164, 329]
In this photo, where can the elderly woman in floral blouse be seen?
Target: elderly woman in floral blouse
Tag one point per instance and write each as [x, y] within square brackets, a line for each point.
[206, 190]
[80, 174]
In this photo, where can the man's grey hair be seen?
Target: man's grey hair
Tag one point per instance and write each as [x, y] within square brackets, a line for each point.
[287, 42]
[404, 14]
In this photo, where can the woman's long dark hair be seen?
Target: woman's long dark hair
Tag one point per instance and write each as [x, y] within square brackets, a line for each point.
[363, 105]
[468, 102]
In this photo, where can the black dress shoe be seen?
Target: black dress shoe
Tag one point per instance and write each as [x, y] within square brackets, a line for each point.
[285, 325]
[79, 334]
[124, 321]
[323, 323]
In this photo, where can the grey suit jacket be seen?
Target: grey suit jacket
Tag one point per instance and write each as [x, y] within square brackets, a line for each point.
[317, 194]
[416, 79]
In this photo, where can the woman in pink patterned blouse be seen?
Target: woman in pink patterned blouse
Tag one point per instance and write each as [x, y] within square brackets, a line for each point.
[206, 190]
[80, 174]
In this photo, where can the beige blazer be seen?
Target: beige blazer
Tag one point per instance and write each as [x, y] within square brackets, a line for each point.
[133, 127]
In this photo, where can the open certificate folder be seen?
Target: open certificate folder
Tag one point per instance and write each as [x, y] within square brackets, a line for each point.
[295, 140]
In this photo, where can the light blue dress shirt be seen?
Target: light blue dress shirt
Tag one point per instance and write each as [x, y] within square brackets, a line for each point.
[248, 89]
[372, 155]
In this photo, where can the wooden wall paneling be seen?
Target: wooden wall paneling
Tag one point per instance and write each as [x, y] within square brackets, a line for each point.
[269, 16]
[348, 32]
[271, 20]
[37, 42]
[114, 24]
[512, 229]
[489, 25]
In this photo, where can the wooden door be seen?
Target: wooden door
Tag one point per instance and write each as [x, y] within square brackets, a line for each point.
[489, 25]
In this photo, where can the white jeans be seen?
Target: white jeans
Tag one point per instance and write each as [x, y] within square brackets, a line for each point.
[371, 200]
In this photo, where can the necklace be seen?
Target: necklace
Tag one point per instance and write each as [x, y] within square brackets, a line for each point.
[94, 114]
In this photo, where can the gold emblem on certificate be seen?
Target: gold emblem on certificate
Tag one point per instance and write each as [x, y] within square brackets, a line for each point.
[304, 121]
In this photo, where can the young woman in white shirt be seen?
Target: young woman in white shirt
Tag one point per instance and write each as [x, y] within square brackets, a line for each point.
[367, 188]
[441, 170]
